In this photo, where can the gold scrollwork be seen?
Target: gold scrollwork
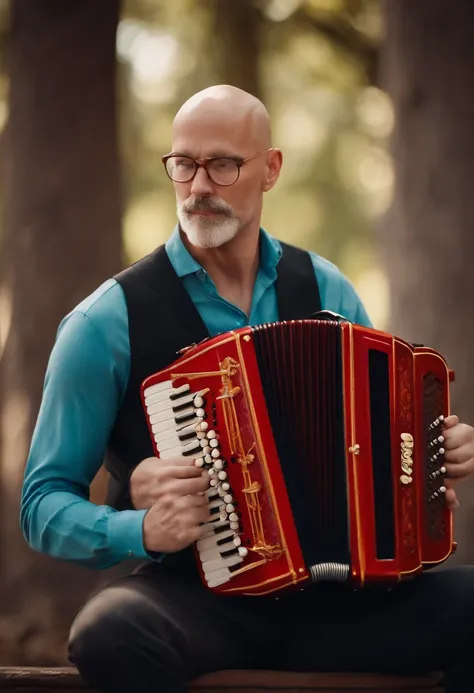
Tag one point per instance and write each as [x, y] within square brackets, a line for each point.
[245, 459]
[406, 458]
[229, 369]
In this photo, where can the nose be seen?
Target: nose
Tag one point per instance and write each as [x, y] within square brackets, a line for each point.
[201, 183]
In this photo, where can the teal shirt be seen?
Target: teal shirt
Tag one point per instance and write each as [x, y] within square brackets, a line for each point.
[85, 382]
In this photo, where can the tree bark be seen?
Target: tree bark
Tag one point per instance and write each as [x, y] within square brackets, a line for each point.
[62, 237]
[236, 44]
[427, 239]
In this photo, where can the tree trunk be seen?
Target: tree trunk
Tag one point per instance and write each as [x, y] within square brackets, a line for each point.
[427, 239]
[62, 237]
[236, 44]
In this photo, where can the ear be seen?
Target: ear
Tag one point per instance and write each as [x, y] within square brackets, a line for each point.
[272, 169]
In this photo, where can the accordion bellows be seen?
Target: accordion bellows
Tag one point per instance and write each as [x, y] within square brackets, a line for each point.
[324, 448]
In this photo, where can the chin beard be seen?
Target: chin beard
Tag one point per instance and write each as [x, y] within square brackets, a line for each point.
[208, 233]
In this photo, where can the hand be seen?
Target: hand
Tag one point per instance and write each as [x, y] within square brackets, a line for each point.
[459, 456]
[154, 478]
[175, 490]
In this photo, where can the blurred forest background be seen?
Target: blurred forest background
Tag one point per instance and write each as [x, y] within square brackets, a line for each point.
[373, 107]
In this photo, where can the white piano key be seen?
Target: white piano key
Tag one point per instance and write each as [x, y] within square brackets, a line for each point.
[208, 529]
[216, 504]
[221, 563]
[169, 404]
[209, 542]
[185, 417]
[211, 492]
[161, 436]
[217, 574]
[216, 552]
[194, 423]
[209, 555]
[168, 415]
[177, 443]
[166, 394]
[180, 452]
[172, 433]
[219, 581]
[159, 426]
[166, 385]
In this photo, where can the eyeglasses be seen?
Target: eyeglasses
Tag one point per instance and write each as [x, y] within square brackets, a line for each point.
[221, 170]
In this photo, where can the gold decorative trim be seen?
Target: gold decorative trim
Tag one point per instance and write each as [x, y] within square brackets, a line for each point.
[267, 582]
[356, 496]
[263, 459]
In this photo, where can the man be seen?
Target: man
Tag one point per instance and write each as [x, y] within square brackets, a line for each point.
[154, 629]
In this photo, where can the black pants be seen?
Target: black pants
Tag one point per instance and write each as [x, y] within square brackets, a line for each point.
[155, 629]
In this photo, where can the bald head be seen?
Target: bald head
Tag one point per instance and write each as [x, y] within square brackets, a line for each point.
[227, 107]
[226, 131]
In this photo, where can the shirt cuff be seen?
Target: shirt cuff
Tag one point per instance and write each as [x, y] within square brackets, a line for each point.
[125, 532]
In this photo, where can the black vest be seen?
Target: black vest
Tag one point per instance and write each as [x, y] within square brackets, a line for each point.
[162, 320]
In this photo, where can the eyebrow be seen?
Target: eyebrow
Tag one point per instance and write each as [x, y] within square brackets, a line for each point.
[219, 154]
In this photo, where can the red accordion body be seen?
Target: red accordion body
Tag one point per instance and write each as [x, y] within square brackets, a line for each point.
[323, 443]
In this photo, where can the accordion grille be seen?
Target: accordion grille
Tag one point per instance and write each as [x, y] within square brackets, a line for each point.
[300, 365]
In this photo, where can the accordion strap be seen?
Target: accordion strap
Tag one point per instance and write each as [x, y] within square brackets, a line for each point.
[297, 286]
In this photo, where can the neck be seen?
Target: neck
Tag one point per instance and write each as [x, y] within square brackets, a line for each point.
[233, 267]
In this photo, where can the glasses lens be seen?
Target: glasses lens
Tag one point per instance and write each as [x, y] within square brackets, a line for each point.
[223, 171]
[180, 168]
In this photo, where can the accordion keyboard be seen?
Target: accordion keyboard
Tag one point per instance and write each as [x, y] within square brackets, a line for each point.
[177, 419]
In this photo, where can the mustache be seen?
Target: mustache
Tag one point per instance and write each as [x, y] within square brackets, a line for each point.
[201, 204]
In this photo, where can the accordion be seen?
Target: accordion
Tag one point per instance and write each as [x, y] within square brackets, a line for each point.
[324, 448]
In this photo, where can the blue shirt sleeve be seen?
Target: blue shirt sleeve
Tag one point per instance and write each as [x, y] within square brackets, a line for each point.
[82, 393]
[337, 292]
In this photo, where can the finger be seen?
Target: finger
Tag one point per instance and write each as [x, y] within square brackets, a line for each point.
[450, 421]
[460, 454]
[199, 516]
[184, 472]
[459, 470]
[180, 461]
[451, 499]
[457, 436]
[195, 500]
[185, 487]
[451, 483]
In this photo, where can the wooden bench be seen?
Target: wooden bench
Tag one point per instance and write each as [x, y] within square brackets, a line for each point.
[67, 680]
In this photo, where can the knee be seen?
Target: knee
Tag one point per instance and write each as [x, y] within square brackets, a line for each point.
[105, 627]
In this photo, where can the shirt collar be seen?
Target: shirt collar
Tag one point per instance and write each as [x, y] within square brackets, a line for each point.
[183, 262]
